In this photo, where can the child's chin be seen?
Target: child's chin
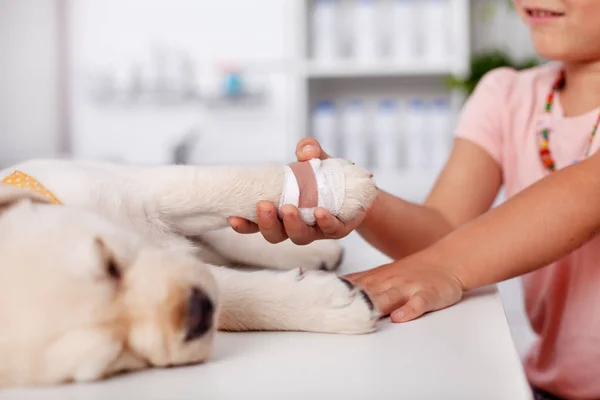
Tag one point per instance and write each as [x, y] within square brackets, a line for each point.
[551, 47]
[549, 51]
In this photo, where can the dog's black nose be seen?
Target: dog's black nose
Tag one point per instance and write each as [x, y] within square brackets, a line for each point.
[200, 311]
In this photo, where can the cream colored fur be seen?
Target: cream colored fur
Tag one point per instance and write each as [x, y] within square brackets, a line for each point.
[115, 279]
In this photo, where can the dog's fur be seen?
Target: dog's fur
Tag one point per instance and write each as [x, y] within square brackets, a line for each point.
[124, 275]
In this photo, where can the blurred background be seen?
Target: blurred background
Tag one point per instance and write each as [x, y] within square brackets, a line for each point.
[234, 81]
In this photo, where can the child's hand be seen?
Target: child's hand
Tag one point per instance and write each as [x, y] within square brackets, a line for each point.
[292, 227]
[408, 288]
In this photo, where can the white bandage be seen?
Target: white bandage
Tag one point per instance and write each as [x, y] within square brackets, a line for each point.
[330, 189]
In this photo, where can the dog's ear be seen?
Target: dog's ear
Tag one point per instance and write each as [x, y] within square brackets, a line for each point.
[10, 195]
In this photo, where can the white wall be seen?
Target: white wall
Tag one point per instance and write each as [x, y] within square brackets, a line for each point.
[253, 34]
[29, 95]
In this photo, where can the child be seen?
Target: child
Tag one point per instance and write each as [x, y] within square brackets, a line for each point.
[532, 131]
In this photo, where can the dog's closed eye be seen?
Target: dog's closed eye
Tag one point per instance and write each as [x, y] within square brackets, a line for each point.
[112, 269]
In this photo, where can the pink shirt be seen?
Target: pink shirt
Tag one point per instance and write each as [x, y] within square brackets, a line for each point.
[562, 299]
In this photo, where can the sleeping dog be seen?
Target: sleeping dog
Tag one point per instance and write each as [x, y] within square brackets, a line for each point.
[108, 268]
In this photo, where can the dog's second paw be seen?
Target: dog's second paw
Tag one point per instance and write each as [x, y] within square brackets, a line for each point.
[333, 305]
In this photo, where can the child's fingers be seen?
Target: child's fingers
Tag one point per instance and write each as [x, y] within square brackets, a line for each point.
[241, 225]
[330, 225]
[296, 229]
[355, 276]
[418, 304]
[308, 148]
[371, 279]
[268, 223]
[387, 299]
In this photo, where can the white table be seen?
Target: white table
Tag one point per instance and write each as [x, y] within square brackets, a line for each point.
[463, 352]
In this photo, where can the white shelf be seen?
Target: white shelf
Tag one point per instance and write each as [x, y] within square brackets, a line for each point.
[346, 78]
[352, 69]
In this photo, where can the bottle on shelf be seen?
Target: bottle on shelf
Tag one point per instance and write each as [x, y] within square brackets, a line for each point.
[324, 30]
[354, 138]
[416, 150]
[404, 33]
[440, 123]
[387, 144]
[325, 126]
[436, 30]
[366, 46]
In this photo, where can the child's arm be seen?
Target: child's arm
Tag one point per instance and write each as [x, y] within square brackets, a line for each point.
[547, 221]
[466, 188]
[543, 223]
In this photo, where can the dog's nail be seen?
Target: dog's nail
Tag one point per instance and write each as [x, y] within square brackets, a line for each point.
[300, 274]
[347, 283]
[367, 300]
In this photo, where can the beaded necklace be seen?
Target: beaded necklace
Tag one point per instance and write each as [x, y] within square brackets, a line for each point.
[545, 154]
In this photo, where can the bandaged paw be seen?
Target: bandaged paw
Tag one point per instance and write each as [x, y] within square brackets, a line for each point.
[312, 184]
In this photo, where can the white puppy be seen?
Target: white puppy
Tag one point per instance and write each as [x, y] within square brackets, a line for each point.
[127, 271]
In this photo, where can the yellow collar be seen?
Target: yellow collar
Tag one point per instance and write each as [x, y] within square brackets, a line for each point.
[22, 180]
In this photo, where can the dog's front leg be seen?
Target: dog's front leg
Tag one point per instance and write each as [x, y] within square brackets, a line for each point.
[192, 200]
[310, 301]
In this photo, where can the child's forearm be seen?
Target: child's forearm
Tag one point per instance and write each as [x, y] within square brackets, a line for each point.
[543, 223]
[466, 188]
[399, 228]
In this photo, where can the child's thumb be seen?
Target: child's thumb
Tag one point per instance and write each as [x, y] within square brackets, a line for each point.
[309, 148]
[416, 306]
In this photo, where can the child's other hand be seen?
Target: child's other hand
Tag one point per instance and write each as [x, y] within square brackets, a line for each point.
[408, 288]
[292, 227]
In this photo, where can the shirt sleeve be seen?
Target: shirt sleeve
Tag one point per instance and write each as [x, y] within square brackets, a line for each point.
[484, 115]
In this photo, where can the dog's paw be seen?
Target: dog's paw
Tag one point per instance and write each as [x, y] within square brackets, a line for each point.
[360, 188]
[333, 305]
[339, 186]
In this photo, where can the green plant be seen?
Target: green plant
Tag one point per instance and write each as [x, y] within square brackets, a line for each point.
[484, 62]
[490, 8]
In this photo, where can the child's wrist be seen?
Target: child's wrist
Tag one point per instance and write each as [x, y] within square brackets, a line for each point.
[371, 213]
[449, 264]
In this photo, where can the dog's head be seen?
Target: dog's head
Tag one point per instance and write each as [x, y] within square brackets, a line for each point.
[81, 298]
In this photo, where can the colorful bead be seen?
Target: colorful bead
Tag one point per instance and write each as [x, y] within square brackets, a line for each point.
[545, 153]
